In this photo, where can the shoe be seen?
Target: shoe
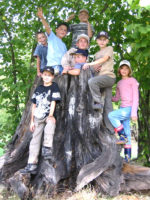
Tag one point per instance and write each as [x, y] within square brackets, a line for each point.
[47, 153]
[30, 168]
[97, 106]
[123, 140]
[127, 153]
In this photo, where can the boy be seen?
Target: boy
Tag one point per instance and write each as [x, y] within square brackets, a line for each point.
[84, 27]
[41, 52]
[80, 57]
[42, 119]
[56, 47]
[105, 78]
[68, 61]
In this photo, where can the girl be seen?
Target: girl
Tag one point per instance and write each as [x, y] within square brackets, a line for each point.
[127, 91]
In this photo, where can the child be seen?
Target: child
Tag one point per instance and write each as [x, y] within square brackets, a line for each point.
[127, 91]
[42, 119]
[80, 57]
[41, 52]
[68, 61]
[84, 27]
[104, 79]
[56, 47]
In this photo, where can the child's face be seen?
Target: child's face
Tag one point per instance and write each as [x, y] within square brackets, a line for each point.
[61, 31]
[83, 16]
[47, 77]
[124, 71]
[102, 42]
[41, 37]
[79, 58]
[82, 43]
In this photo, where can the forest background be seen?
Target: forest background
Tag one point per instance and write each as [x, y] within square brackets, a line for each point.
[128, 24]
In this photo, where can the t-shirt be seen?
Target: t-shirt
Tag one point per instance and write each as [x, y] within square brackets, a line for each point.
[78, 65]
[41, 52]
[127, 91]
[42, 97]
[56, 49]
[108, 66]
[78, 29]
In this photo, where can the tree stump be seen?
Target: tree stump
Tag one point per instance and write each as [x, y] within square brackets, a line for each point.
[84, 150]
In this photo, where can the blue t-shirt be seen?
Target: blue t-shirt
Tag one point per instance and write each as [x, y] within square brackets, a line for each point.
[56, 50]
[78, 65]
[41, 52]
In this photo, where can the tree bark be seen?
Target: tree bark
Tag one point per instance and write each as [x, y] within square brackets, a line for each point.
[84, 150]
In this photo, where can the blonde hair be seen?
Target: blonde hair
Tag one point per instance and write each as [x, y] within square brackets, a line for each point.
[130, 71]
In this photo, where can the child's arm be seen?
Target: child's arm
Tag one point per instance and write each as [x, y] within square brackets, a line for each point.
[70, 17]
[98, 61]
[32, 125]
[117, 96]
[44, 22]
[73, 72]
[90, 32]
[38, 66]
[51, 112]
[135, 94]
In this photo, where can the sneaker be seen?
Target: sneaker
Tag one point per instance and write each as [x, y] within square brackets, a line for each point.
[127, 159]
[122, 140]
[30, 168]
[47, 153]
[97, 106]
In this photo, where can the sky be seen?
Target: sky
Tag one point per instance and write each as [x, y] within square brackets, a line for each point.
[144, 2]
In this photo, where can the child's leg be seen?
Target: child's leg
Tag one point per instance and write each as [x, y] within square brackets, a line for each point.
[36, 141]
[116, 117]
[108, 108]
[49, 131]
[127, 146]
[98, 82]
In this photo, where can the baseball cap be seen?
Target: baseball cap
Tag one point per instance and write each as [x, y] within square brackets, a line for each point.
[84, 10]
[125, 62]
[102, 33]
[81, 51]
[83, 36]
[49, 69]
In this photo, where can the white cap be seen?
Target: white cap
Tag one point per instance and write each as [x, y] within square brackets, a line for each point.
[83, 36]
[84, 10]
[125, 62]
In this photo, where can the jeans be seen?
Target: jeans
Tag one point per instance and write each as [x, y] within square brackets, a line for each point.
[122, 116]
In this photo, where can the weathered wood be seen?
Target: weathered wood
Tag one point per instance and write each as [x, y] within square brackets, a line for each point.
[84, 149]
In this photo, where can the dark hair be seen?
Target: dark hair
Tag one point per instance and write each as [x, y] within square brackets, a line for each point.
[39, 32]
[63, 23]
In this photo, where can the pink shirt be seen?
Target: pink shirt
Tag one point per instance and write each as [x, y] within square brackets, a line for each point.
[127, 91]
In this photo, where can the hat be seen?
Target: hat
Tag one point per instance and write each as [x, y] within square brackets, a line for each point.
[49, 69]
[81, 51]
[102, 33]
[125, 62]
[83, 36]
[84, 10]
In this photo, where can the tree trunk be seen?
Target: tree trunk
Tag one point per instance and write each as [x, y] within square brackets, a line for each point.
[84, 149]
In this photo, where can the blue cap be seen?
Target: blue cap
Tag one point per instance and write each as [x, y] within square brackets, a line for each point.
[102, 33]
[49, 69]
[81, 51]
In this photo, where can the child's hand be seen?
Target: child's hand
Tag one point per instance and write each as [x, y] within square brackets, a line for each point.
[40, 13]
[134, 119]
[32, 126]
[86, 66]
[97, 67]
[64, 71]
[70, 17]
[52, 118]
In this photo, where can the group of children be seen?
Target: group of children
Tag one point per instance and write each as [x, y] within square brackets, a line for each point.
[52, 59]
